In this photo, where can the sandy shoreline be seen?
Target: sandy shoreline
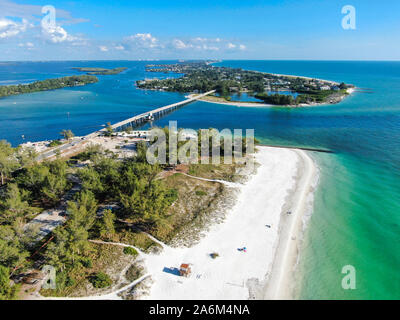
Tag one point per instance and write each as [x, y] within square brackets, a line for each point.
[263, 271]
[281, 282]
[258, 221]
[260, 104]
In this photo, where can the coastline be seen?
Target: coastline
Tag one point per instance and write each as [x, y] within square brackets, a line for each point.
[234, 274]
[260, 104]
[281, 281]
[282, 183]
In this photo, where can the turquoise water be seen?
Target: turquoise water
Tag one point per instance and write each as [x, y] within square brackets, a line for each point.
[356, 217]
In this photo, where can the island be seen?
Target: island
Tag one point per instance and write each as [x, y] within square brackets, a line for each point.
[100, 71]
[48, 84]
[272, 89]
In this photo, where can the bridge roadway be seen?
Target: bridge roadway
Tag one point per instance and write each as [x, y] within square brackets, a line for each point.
[156, 113]
[134, 121]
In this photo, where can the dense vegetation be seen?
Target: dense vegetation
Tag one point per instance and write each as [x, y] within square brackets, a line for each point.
[48, 84]
[278, 99]
[202, 77]
[27, 188]
[143, 202]
[101, 280]
[101, 71]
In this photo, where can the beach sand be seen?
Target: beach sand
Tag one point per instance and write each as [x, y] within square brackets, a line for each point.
[280, 284]
[282, 183]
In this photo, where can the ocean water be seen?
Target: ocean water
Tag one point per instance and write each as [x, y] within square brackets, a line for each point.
[42, 115]
[356, 214]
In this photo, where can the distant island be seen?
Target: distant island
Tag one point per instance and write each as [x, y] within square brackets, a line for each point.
[48, 84]
[100, 71]
[269, 88]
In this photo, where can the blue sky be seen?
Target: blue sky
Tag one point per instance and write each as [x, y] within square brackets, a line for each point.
[224, 29]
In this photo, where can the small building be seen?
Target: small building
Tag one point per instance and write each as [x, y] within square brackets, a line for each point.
[185, 270]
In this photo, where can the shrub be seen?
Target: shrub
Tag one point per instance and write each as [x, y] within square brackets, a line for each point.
[87, 262]
[100, 280]
[55, 143]
[131, 251]
[200, 193]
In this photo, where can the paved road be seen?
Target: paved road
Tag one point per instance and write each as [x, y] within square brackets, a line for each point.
[52, 153]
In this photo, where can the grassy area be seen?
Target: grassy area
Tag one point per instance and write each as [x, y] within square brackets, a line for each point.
[217, 172]
[127, 235]
[133, 273]
[196, 199]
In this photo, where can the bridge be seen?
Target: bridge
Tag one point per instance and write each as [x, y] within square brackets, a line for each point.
[152, 114]
[133, 122]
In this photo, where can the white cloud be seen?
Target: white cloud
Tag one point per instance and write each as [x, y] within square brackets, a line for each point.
[26, 45]
[242, 47]
[142, 40]
[212, 48]
[205, 44]
[179, 44]
[57, 34]
[119, 47]
[10, 28]
[103, 48]
[200, 39]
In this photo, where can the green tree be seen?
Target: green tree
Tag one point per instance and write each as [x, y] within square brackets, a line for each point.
[101, 280]
[8, 162]
[7, 291]
[26, 156]
[46, 182]
[13, 253]
[71, 243]
[149, 202]
[67, 134]
[107, 228]
[109, 130]
[91, 181]
[53, 188]
[14, 204]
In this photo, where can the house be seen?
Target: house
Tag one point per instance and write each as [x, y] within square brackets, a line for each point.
[185, 270]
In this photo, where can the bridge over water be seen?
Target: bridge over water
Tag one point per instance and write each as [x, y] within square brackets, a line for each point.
[152, 114]
[135, 121]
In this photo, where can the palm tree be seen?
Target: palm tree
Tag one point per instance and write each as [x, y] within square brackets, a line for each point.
[67, 134]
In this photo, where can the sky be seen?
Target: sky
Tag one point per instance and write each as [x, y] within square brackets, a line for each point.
[203, 29]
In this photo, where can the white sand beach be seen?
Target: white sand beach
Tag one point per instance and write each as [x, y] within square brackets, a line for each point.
[235, 274]
[259, 221]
